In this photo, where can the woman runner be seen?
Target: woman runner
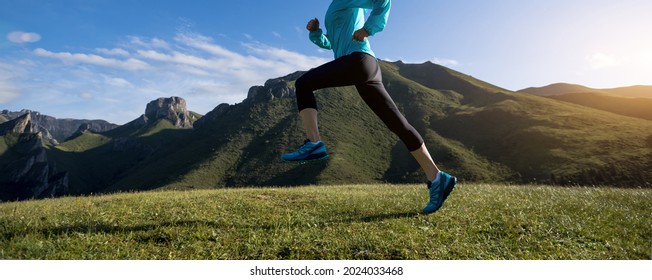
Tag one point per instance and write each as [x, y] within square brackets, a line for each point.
[355, 64]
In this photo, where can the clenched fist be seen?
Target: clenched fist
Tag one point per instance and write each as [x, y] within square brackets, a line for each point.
[360, 35]
[313, 25]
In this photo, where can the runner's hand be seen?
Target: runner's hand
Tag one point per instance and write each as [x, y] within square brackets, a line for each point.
[313, 25]
[360, 35]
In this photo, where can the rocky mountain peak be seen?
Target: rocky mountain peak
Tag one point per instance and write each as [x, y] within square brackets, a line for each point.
[282, 87]
[22, 124]
[26, 124]
[173, 109]
[274, 88]
[29, 174]
[52, 129]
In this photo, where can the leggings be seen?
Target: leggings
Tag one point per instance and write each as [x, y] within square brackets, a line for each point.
[363, 71]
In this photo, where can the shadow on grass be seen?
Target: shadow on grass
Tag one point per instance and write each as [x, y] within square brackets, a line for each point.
[378, 217]
[389, 216]
[107, 228]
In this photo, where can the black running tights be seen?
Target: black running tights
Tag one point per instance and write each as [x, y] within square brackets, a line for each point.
[363, 71]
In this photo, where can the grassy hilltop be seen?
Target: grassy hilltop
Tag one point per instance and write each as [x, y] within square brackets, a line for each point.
[334, 222]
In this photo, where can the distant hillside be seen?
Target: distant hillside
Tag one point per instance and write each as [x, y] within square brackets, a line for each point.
[563, 88]
[477, 131]
[633, 91]
[632, 107]
[556, 89]
[59, 129]
[634, 101]
[88, 161]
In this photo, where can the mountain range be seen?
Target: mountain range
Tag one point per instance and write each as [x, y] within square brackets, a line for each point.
[565, 88]
[477, 131]
[635, 101]
[56, 130]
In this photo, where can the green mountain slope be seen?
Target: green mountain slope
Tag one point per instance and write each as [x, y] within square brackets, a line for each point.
[475, 130]
[242, 146]
[95, 161]
[632, 107]
[633, 101]
[537, 138]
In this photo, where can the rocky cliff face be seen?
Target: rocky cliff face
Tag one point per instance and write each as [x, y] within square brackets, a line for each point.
[56, 130]
[22, 124]
[26, 124]
[173, 109]
[274, 88]
[26, 171]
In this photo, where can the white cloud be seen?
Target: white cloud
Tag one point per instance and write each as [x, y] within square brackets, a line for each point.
[262, 60]
[285, 59]
[190, 65]
[155, 55]
[21, 37]
[205, 43]
[129, 64]
[117, 82]
[445, 62]
[148, 43]
[114, 51]
[161, 44]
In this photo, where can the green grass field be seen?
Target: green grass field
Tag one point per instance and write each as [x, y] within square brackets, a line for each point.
[334, 222]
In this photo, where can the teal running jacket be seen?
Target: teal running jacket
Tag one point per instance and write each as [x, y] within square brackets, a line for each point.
[344, 17]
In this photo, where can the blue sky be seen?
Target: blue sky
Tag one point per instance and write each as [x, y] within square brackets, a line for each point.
[105, 59]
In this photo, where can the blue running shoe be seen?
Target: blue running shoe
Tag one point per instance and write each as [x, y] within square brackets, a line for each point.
[439, 192]
[308, 151]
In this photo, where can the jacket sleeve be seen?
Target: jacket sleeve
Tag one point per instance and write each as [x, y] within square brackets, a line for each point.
[320, 39]
[378, 16]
